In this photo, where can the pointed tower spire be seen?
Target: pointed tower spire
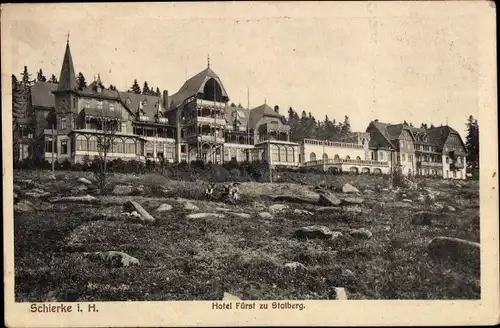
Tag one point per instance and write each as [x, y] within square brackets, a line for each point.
[67, 78]
[208, 61]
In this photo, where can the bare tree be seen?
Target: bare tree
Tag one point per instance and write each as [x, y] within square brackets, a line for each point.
[105, 139]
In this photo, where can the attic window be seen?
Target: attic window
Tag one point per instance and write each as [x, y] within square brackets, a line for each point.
[144, 103]
[241, 114]
[128, 101]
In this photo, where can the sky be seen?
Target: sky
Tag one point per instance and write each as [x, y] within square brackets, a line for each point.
[417, 62]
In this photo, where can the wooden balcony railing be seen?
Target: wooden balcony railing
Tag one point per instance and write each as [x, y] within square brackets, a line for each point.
[346, 161]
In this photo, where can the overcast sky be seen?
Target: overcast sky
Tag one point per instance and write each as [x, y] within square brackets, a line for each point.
[413, 61]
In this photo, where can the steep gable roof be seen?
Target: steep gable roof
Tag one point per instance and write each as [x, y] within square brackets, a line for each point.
[259, 112]
[150, 108]
[195, 85]
[67, 78]
[42, 96]
[241, 115]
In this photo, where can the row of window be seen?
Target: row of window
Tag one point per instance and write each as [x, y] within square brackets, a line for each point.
[312, 157]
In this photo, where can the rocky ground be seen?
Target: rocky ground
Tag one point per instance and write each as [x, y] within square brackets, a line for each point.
[150, 238]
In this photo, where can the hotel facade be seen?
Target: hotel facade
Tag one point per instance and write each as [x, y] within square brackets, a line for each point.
[196, 123]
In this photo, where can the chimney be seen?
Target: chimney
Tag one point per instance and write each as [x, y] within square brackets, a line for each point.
[165, 99]
[277, 109]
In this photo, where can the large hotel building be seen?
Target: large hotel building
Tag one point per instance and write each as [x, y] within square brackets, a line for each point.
[196, 123]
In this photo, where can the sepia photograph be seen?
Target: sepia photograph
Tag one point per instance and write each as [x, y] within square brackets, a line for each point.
[208, 152]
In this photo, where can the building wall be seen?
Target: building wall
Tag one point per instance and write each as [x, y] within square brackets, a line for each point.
[406, 153]
[238, 151]
[448, 173]
[311, 152]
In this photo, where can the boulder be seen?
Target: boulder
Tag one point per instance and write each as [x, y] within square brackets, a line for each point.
[347, 188]
[37, 193]
[377, 209]
[87, 199]
[204, 215]
[122, 190]
[326, 209]
[230, 297]
[84, 181]
[131, 206]
[338, 293]
[407, 200]
[292, 199]
[265, 215]
[113, 258]
[24, 206]
[302, 212]
[295, 266]
[402, 204]
[455, 249]
[426, 217]
[277, 208]
[242, 215]
[352, 200]
[328, 199]
[164, 208]
[190, 206]
[361, 233]
[82, 187]
[448, 208]
[315, 231]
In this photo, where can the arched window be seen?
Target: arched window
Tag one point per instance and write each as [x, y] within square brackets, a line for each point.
[92, 142]
[336, 157]
[312, 157]
[325, 156]
[118, 146]
[348, 157]
[358, 158]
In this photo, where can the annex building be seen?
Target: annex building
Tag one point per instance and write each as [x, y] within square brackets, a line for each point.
[196, 123]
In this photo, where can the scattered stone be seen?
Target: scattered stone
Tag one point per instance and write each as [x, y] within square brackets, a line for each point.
[293, 199]
[377, 209]
[16, 188]
[181, 200]
[361, 233]
[338, 293]
[139, 189]
[82, 188]
[131, 206]
[87, 199]
[122, 190]
[347, 188]
[37, 193]
[51, 177]
[135, 214]
[326, 209]
[328, 199]
[242, 215]
[404, 196]
[84, 181]
[190, 206]
[303, 212]
[352, 200]
[222, 209]
[204, 215]
[113, 258]
[368, 191]
[385, 189]
[448, 208]
[295, 266]
[421, 198]
[407, 200]
[315, 231]
[437, 206]
[265, 215]
[24, 206]
[277, 208]
[164, 208]
[401, 204]
[460, 250]
[230, 297]
[15, 196]
[425, 218]
[166, 191]
[337, 235]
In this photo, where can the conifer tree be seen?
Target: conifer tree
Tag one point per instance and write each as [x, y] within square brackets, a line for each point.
[135, 87]
[145, 88]
[81, 81]
[472, 143]
[53, 79]
[40, 77]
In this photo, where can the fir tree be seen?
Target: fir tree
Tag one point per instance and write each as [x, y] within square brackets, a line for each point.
[232, 105]
[53, 79]
[26, 81]
[145, 88]
[40, 77]
[158, 93]
[135, 87]
[472, 143]
[81, 81]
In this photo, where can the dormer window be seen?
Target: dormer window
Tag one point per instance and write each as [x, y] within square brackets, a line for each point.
[99, 105]
[128, 101]
[111, 107]
[99, 88]
[144, 103]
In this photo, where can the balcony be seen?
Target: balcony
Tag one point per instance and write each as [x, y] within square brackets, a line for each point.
[333, 161]
[210, 103]
[429, 164]
[206, 138]
[162, 120]
[334, 144]
[211, 120]
[457, 166]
